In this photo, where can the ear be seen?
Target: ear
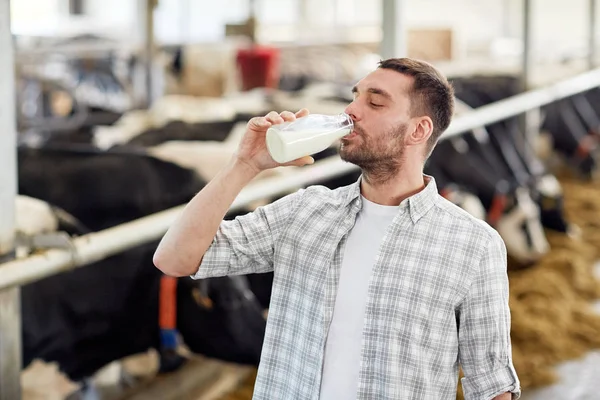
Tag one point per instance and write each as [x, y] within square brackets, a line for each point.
[422, 130]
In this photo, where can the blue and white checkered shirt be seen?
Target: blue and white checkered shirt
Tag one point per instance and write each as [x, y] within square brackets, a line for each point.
[438, 296]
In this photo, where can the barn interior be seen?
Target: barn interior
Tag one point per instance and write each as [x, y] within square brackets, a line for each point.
[114, 114]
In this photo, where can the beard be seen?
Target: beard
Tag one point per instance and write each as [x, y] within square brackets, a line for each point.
[379, 157]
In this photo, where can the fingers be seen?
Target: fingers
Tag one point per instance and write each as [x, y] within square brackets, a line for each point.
[259, 123]
[288, 116]
[285, 116]
[302, 113]
[274, 118]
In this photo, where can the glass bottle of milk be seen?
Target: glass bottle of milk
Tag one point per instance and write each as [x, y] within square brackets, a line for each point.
[306, 136]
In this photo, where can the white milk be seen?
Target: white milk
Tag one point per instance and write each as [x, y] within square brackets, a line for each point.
[306, 136]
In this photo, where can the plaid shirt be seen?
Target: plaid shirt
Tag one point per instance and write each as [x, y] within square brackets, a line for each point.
[438, 296]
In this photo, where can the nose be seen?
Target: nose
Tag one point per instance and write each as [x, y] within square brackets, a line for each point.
[351, 111]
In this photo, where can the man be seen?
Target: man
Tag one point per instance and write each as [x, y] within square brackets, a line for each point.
[381, 288]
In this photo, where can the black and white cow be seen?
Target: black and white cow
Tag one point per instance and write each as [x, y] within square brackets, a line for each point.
[86, 318]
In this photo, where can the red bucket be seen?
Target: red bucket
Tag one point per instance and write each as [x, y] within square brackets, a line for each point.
[258, 67]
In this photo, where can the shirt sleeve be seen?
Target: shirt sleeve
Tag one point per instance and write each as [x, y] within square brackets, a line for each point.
[485, 351]
[246, 244]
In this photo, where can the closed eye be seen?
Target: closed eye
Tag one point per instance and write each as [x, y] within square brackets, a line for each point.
[376, 105]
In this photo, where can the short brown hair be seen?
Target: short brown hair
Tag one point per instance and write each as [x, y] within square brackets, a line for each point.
[431, 94]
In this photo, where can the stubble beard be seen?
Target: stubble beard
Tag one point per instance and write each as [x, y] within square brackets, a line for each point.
[379, 158]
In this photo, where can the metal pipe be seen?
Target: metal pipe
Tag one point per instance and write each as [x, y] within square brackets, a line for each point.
[393, 42]
[10, 299]
[592, 51]
[103, 244]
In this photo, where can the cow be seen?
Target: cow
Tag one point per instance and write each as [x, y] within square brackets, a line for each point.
[88, 317]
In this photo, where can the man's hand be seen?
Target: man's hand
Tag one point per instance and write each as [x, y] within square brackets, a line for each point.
[503, 396]
[252, 149]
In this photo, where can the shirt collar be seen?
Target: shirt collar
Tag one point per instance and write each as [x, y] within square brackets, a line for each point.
[418, 204]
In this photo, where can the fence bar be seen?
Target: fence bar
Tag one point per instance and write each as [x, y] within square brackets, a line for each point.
[10, 299]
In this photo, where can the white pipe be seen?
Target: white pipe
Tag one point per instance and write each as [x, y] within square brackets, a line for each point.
[393, 41]
[97, 246]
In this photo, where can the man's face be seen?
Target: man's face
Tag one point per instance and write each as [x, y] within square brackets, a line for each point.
[381, 115]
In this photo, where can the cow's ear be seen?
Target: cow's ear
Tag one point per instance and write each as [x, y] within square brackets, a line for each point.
[422, 128]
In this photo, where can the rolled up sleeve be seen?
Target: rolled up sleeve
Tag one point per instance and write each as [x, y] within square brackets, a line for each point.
[246, 244]
[485, 351]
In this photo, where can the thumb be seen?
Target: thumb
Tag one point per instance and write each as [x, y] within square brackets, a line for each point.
[307, 160]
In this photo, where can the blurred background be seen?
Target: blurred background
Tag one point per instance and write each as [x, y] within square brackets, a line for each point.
[114, 114]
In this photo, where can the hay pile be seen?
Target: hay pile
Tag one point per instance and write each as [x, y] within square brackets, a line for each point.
[552, 319]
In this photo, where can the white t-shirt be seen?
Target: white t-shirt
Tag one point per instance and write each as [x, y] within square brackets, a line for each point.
[341, 363]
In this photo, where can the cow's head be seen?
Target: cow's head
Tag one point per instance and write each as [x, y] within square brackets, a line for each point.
[516, 217]
[548, 194]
